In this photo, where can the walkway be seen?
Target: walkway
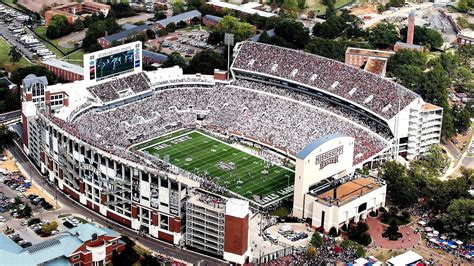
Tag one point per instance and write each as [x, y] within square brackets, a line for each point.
[376, 228]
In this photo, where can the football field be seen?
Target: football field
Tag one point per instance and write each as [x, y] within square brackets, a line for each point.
[238, 171]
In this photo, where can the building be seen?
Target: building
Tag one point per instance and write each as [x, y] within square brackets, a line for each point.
[249, 8]
[6, 83]
[74, 10]
[120, 37]
[374, 61]
[211, 21]
[410, 35]
[327, 191]
[411, 27]
[88, 138]
[186, 17]
[64, 70]
[218, 226]
[86, 244]
[408, 258]
[465, 37]
[150, 57]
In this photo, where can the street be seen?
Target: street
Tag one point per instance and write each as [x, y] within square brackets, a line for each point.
[156, 245]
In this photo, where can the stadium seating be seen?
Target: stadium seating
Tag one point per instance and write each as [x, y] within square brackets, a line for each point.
[370, 91]
[276, 120]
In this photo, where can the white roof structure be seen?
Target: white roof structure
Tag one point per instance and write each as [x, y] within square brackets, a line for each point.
[64, 65]
[248, 8]
[360, 262]
[406, 258]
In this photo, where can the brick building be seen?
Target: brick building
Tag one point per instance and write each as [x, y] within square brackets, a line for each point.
[74, 10]
[65, 70]
[86, 244]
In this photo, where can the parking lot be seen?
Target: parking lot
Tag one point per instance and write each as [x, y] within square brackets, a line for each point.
[13, 30]
[16, 193]
[187, 43]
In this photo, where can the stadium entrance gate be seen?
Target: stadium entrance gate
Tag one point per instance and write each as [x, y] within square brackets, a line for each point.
[275, 255]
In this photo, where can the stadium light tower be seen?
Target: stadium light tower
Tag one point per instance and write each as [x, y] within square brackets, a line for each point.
[229, 41]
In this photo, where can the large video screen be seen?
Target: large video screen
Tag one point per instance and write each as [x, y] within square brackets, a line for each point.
[114, 64]
[113, 61]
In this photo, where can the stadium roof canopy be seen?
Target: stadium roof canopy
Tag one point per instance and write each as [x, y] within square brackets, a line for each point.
[315, 144]
[180, 17]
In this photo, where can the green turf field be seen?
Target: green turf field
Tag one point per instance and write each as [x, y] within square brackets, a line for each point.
[240, 172]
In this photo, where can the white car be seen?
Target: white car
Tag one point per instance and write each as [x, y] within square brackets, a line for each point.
[2, 219]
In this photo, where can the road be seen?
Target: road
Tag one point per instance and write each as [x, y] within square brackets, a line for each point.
[154, 244]
[5, 117]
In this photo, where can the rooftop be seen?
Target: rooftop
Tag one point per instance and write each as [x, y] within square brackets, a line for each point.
[369, 52]
[430, 107]
[467, 33]
[343, 193]
[180, 17]
[376, 65]
[248, 8]
[64, 65]
[126, 33]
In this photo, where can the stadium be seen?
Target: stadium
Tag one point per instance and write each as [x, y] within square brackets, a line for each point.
[140, 146]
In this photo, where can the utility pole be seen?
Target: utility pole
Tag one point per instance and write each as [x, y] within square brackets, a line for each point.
[229, 41]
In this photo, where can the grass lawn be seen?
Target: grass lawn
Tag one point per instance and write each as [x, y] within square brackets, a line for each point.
[76, 58]
[240, 172]
[41, 31]
[320, 9]
[5, 59]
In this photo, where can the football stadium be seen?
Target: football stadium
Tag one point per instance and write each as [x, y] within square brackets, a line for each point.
[174, 155]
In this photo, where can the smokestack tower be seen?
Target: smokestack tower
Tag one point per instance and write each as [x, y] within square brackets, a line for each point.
[411, 27]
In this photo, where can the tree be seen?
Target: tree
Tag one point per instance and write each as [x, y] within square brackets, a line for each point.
[392, 231]
[162, 32]
[434, 89]
[424, 36]
[171, 27]
[98, 28]
[177, 6]
[58, 27]
[334, 49]
[26, 212]
[462, 76]
[316, 240]
[294, 32]
[360, 234]
[312, 251]
[333, 231]
[301, 4]
[9, 99]
[230, 24]
[435, 160]
[402, 192]
[462, 119]
[447, 129]
[289, 9]
[384, 35]
[47, 228]
[19, 74]
[346, 244]
[458, 218]
[406, 57]
[14, 55]
[175, 59]
[205, 62]
[391, 171]
[331, 28]
[6, 138]
[159, 15]
[128, 256]
[78, 25]
[123, 10]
